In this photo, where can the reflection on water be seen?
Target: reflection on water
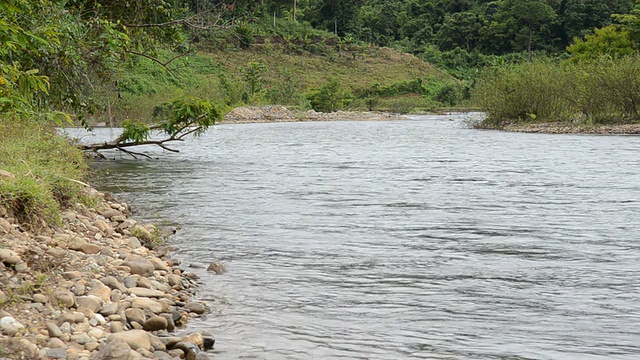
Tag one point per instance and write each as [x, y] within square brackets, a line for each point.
[416, 239]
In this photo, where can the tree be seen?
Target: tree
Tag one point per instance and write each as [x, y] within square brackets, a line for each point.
[610, 40]
[180, 119]
[531, 13]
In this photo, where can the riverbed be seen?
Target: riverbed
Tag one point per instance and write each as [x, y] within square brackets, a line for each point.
[412, 239]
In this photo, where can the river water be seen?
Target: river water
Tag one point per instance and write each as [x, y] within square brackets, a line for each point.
[417, 239]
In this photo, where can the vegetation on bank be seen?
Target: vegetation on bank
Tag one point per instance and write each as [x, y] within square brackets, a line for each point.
[601, 91]
[48, 172]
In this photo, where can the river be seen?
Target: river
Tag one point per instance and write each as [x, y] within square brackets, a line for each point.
[416, 239]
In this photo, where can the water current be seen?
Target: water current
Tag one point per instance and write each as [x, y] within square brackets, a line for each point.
[416, 239]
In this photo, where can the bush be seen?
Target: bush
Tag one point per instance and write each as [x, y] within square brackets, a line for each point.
[330, 97]
[603, 90]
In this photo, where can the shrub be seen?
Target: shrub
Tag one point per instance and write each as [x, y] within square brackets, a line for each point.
[330, 97]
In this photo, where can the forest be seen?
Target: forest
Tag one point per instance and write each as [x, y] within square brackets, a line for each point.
[71, 61]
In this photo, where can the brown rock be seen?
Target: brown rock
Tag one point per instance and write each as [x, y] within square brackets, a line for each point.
[10, 257]
[144, 292]
[147, 304]
[135, 338]
[65, 298]
[155, 323]
[140, 266]
[217, 268]
[115, 349]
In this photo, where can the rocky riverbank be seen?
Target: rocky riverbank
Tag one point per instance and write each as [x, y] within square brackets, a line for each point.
[567, 128]
[279, 113]
[101, 286]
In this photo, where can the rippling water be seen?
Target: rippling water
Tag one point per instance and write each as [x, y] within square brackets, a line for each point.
[416, 239]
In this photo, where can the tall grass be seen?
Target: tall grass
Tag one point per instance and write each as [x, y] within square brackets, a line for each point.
[602, 91]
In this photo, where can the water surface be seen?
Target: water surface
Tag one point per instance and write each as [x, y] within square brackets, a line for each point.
[416, 239]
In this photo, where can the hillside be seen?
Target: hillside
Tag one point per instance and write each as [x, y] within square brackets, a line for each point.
[273, 73]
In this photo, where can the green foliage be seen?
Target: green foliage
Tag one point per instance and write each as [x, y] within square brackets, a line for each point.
[192, 112]
[330, 97]
[134, 131]
[609, 40]
[253, 75]
[605, 90]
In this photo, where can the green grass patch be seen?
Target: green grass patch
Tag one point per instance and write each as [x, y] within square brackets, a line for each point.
[47, 169]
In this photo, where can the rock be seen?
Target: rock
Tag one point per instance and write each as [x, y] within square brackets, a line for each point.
[143, 292]
[82, 339]
[103, 226]
[160, 265]
[96, 333]
[161, 355]
[65, 298]
[140, 266]
[101, 320]
[54, 330]
[91, 302]
[141, 232]
[78, 289]
[144, 283]
[5, 226]
[130, 281]
[109, 213]
[119, 218]
[156, 343]
[195, 307]
[136, 315]
[109, 309]
[208, 342]
[3, 297]
[42, 299]
[115, 349]
[133, 243]
[115, 327]
[55, 343]
[5, 175]
[66, 328]
[195, 338]
[174, 280]
[171, 325]
[155, 323]
[21, 267]
[202, 356]
[91, 345]
[70, 275]
[90, 249]
[147, 304]
[135, 338]
[190, 350]
[10, 257]
[57, 354]
[113, 283]
[10, 326]
[100, 290]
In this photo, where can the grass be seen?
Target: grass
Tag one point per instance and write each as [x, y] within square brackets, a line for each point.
[47, 168]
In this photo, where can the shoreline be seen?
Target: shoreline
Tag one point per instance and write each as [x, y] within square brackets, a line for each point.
[101, 286]
[567, 128]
